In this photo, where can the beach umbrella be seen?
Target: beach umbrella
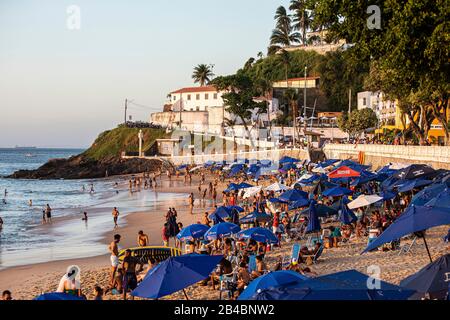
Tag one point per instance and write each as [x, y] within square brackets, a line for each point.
[276, 200]
[415, 171]
[298, 204]
[387, 195]
[343, 172]
[244, 185]
[442, 200]
[346, 285]
[322, 211]
[432, 279]
[54, 296]
[221, 212]
[397, 166]
[327, 163]
[195, 169]
[413, 184]
[259, 235]
[276, 187]
[337, 192]
[255, 217]
[266, 163]
[222, 230]
[250, 192]
[319, 170]
[313, 219]
[232, 187]
[288, 160]
[236, 208]
[175, 274]
[272, 280]
[293, 195]
[192, 232]
[414, 219]
[428, 194]
[364, 201]
[345, 215]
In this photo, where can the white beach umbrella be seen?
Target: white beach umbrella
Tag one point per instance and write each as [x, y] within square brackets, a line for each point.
[196, 168]
[319, 170]
[364, 201]
[306, 176]
[276, 187]
[250, 192]
[398, 166]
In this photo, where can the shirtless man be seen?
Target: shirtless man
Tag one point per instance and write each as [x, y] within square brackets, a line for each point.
[115, 214]
[114, 250]
[142, 239]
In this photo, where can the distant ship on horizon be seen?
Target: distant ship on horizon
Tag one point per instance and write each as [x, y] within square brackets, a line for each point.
[26, 148]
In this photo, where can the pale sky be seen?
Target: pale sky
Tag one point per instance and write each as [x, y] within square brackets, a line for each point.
[61, 87]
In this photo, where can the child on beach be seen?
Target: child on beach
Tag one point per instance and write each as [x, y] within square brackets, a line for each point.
[98, 293]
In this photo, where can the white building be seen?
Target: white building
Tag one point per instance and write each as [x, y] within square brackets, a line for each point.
[384, 109]
[195, 98]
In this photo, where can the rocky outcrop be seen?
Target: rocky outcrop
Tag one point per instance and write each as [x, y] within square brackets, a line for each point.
[81, 167]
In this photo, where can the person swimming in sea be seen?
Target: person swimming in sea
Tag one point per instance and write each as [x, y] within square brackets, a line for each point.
[85, 218]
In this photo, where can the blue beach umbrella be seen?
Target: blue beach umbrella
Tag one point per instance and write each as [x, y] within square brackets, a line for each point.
[255, 217]
[54, 296]
[259, 235]
[313, 219]
[413, 184]
[428, 194]
[299, 204]
[266, 163]
[221, 230]
[432, 279]
[442, 200]
[348, 285]
[192, 232]
[288, 166]
[345, 215]
[276, 200]
[272, 280]
[175, 274]
[237, 208]
[221, 212]
[414, 219]
[293, 195]
[288, 160]
[244, 185]
[337, 192]
[387, 195]
[322, 211]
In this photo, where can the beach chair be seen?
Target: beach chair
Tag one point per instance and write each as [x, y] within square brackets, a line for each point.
[228, 283]
[407, 247]
[313, 259]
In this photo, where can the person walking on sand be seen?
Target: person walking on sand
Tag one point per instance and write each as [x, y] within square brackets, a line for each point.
[114, 250]
[115, 214]
[48, 214]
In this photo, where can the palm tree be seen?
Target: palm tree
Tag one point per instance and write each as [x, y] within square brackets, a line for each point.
[203, 74]
[292, 97]
[302, 17]
[264, 88]
[282, 35]
[284, 59]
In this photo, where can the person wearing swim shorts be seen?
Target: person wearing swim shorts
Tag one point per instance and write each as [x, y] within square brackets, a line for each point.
[114, 250]
[129, 277]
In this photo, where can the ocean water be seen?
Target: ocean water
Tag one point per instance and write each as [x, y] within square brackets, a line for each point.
[24, 240]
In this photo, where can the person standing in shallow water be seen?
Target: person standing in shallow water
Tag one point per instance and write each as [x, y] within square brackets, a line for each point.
[48, 213]
[115, 214]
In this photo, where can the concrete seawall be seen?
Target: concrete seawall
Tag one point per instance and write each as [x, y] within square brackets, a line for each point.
[380, 155]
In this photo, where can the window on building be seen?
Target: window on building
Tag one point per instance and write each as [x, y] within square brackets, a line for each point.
[215, 96]
[197, 108]
[206, 96]
[189, 97]
[174, 98]
[364, 101]
[197, 97]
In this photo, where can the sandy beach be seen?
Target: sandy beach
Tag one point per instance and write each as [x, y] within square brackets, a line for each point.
[26, 282]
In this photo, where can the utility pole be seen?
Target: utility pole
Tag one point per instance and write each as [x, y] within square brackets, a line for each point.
[181, 107]
[126, 107]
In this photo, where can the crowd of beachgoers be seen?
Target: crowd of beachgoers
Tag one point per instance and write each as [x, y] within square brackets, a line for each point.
[259, 222]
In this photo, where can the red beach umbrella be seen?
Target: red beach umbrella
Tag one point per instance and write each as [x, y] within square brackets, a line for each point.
[343, 172]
